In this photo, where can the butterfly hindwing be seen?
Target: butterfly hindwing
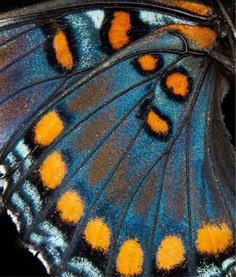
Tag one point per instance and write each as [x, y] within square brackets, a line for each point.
[116, 175]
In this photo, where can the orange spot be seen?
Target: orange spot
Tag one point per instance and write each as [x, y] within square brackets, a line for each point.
[157, 124]
[98, 234]
[53, 170]
[178, 84]
[170, 253]
[70, 207]
[130, 258]
[118, 33]
[62, 50]
[214, 239]
[192, 7]
[48, 128]
[201, 37]
[148, 62]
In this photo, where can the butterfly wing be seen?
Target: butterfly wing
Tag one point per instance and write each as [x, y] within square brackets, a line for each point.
[35, 41]
[39, 59]
[125, 172]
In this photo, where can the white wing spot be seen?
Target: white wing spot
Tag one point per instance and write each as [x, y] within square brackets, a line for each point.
[97, 17]
[22, 149]
[159, 19]
[85, 266]
[14, 220]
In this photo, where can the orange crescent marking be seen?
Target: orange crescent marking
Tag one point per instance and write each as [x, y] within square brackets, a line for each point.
[192, 7]
[201, 37]
[48, 129]
[148, 62]
[214, 239]
[118, 33]
[130, 258]
[53, 170]
[170, 253]
[178, 83]
[70, 207]
[98, 234]
[157, 124]
[62, 50]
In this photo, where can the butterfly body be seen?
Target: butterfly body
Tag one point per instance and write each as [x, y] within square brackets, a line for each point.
[114, 166]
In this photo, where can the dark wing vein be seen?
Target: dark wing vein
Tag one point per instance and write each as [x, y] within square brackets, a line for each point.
[39, 82]
[22, 57]
[17, 36]
[79, 227]
[185, 121]
[70, 129]
[66, 181]
[82, 82]
[33, 150]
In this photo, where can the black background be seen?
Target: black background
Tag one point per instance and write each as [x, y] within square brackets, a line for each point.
[14, 259]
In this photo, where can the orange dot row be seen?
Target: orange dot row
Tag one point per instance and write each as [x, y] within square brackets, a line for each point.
[212, 239]
[120, 27]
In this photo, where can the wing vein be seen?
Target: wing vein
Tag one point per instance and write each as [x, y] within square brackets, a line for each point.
[64, 185]
[79, 227]
[21, 57]
[17, 36]
[70, 129]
